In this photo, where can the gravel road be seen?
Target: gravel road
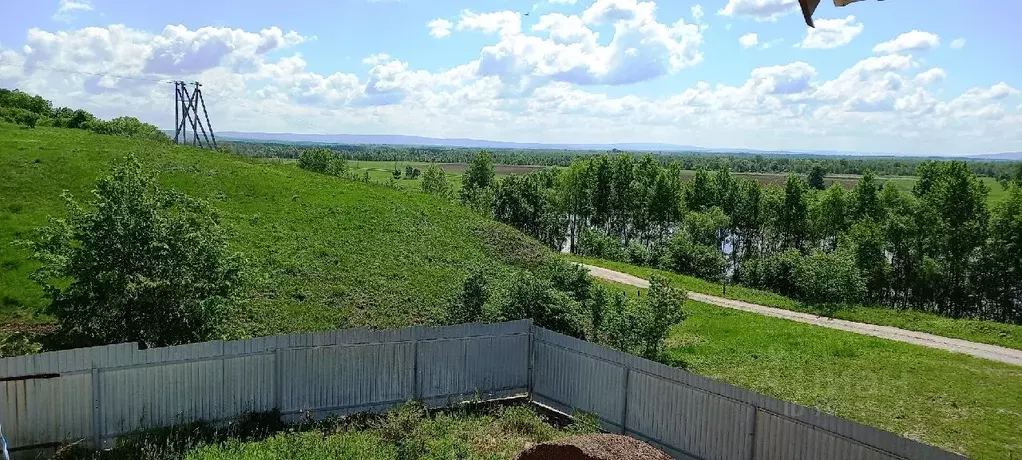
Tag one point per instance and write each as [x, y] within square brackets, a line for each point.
[979, 350]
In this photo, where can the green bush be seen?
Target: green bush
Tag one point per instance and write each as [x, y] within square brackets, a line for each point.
[536, 298]
[595, 243]
[690, 258]
[469, 305]
[138, 263]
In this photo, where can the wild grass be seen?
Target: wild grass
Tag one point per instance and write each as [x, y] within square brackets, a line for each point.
[474, 431]
[953, 401]
[324, 252]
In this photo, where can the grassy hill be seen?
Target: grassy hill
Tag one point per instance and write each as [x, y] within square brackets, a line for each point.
[326, 252]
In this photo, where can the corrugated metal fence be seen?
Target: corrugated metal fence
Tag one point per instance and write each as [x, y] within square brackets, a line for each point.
[693, 417]
[99, 393]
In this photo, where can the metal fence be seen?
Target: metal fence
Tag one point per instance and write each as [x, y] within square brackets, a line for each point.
[96, 394]
[693, 417]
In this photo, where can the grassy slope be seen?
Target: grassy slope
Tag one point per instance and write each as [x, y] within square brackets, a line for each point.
[328, 252]
[953, 401]
[1005, 335]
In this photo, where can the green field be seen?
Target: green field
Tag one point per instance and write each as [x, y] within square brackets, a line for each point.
[382, 172]
[957, 402]
[326, 252]
[1005, 335]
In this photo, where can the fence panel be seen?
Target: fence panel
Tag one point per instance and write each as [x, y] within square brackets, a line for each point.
[698, 423]
[449, 367]
[345, 376]
[103, 392]
[693, 417]
[45, 410]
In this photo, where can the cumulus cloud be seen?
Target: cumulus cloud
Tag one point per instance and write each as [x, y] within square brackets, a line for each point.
[874, 104]
[697, 13]
[66, 8]
[641, 48]
[931, 76]
[760, 10]
[748, 40]
[831, 33]
[440, 28]
[502, 22]
[958, 43]
[909, 41]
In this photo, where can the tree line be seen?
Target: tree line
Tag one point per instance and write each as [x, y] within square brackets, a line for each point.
[31, 111]
[736, 162]
[939, 248]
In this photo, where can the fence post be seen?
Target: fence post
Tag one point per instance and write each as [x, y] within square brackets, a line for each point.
[97, 410]
[530, 359]
[278, 381]
[415, 370]
[752, 432]
[624, 401]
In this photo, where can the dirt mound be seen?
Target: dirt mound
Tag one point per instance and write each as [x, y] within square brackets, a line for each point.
[593, 447]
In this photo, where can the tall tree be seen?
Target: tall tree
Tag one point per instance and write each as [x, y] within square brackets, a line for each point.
[954, 200]
[793, 222]
[1002, 263]
[701, 193]
[831, 215]
[480, 172]
[434, 182]
[866, 198]
[816, 176]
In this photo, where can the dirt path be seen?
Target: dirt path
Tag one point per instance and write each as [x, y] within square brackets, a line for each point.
[979, 350]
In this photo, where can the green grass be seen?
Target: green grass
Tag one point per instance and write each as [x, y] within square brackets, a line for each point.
[382, 172]
[500, 435]
[1005, 335]
[495, 430]
[326, 252]
[956, 402]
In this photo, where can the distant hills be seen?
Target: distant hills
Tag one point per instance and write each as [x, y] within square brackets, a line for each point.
[392, 139]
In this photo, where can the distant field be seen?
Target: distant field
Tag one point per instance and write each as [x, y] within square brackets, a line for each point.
[382, 171]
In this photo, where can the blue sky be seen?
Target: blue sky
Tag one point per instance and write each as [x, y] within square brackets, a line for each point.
[899, 76]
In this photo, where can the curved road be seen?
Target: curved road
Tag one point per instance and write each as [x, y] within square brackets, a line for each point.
[979, 350]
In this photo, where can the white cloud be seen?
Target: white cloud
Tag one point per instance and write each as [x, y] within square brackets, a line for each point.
[931, 76]
[760, 10]
[909, 41]
[748, 40]
[697, 13]
[67, 7]
[566, 2]
[957, 43]
[502, 22]
[831, 33]
[641, 48]
[538, 96]
[440, 28]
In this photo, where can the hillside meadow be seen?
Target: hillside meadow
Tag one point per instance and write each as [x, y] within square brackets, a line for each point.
[324, 252]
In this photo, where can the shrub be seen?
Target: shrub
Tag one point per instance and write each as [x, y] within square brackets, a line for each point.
[469, 305]
[434, 182]
[316, 160]
[532, 297]
[138, 264]
[689, 258]
[661, 310]
[827, 278]
[595, 243]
